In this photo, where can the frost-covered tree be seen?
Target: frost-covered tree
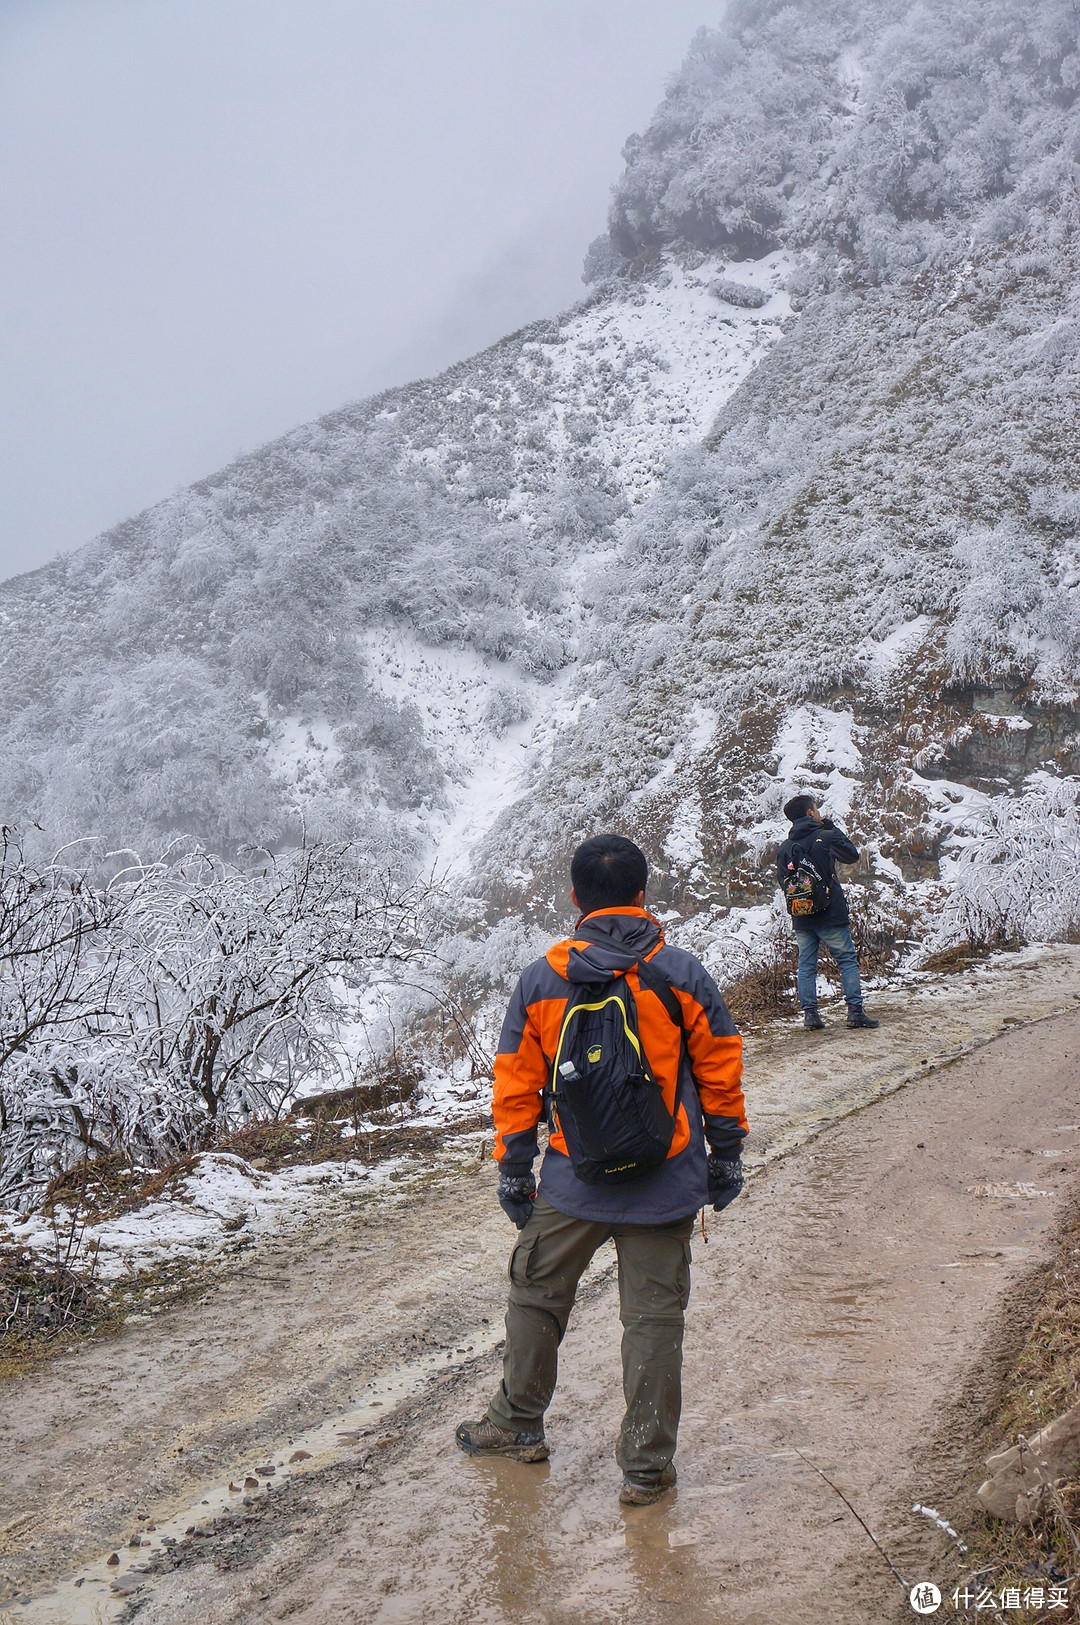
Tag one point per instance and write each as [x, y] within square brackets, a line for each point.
[1015, 875]
[55, 968]
[182, 998]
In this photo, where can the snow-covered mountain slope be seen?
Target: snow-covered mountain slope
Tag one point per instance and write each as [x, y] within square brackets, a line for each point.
[225, 663]
[882, 523]
[791, 500]
[616, 389]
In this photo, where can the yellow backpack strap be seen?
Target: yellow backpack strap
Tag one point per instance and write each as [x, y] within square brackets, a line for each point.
[649, 977]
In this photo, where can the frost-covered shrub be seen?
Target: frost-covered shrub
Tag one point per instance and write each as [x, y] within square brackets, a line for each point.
[505, 708]
[453, 1004]
[749, 952]
[197, 996]
[1011, 609]
[492, 960]
[1015, 876]
[86, 1097]
[741, 294]
[602, 259]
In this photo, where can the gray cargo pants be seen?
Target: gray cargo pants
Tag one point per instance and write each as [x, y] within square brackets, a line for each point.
[547, 1263]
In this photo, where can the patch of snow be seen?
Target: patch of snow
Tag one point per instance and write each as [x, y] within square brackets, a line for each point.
[303, 749]
[482, 719]
[852, 75]
[701, 725]
[886, 866]
[635, 376]
[680, 354]
[190, 1222]
[683, 844]
[1014, 724]
[884, 655]
[818, 744]
[445, 1095]
[950, 805]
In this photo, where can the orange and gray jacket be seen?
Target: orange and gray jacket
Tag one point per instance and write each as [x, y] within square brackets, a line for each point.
[701, 1082]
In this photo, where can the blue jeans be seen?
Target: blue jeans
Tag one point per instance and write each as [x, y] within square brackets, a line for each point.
[837, 938]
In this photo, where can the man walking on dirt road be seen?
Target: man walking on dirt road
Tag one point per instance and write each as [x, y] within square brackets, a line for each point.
[806, 873]
[627, 1047]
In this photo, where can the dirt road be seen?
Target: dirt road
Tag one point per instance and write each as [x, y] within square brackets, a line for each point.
[838, 1310]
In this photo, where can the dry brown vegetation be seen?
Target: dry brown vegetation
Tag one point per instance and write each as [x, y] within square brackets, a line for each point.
[963, 954]
[880, 934]
[106, 1187]
[46, 1300]
[767, 987]
[1043, 1382]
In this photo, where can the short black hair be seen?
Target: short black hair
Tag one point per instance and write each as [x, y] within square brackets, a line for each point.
[607, 871]
[798, 807]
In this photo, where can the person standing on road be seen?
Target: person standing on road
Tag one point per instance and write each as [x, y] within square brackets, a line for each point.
[806, 872]
[626, 1046]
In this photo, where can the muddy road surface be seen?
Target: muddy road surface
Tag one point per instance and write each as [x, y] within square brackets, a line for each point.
[838, 1311]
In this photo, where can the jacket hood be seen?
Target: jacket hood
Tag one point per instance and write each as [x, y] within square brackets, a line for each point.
[629, 934]
[804, 827]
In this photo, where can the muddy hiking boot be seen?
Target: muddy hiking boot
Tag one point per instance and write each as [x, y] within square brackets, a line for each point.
[812, 1020]
[635, 1494]
[487, 1439]
[857, 1017]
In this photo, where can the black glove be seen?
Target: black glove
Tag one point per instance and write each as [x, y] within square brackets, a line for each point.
[725, 1180]
[517, 1192]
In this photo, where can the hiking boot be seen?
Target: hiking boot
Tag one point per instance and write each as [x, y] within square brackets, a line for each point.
[486, 1438]
[857, 1017]
[811, 1019]
[634, 1494]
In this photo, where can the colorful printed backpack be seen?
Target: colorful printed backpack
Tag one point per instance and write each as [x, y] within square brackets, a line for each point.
[805, 889]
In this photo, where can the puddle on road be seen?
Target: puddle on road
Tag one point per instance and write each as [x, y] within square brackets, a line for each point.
[100, 1592]
[993, 1259]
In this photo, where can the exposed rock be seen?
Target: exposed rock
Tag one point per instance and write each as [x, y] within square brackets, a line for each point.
[1020, 1475]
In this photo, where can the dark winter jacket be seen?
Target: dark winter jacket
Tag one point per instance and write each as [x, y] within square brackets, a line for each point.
[701, 1082]
[825, 846]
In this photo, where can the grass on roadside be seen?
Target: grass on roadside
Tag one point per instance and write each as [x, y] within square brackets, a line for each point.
[105, 1187]
[45, 1303]
[1043, 1383]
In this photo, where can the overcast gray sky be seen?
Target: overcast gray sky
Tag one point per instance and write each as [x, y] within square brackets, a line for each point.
[224, 217]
